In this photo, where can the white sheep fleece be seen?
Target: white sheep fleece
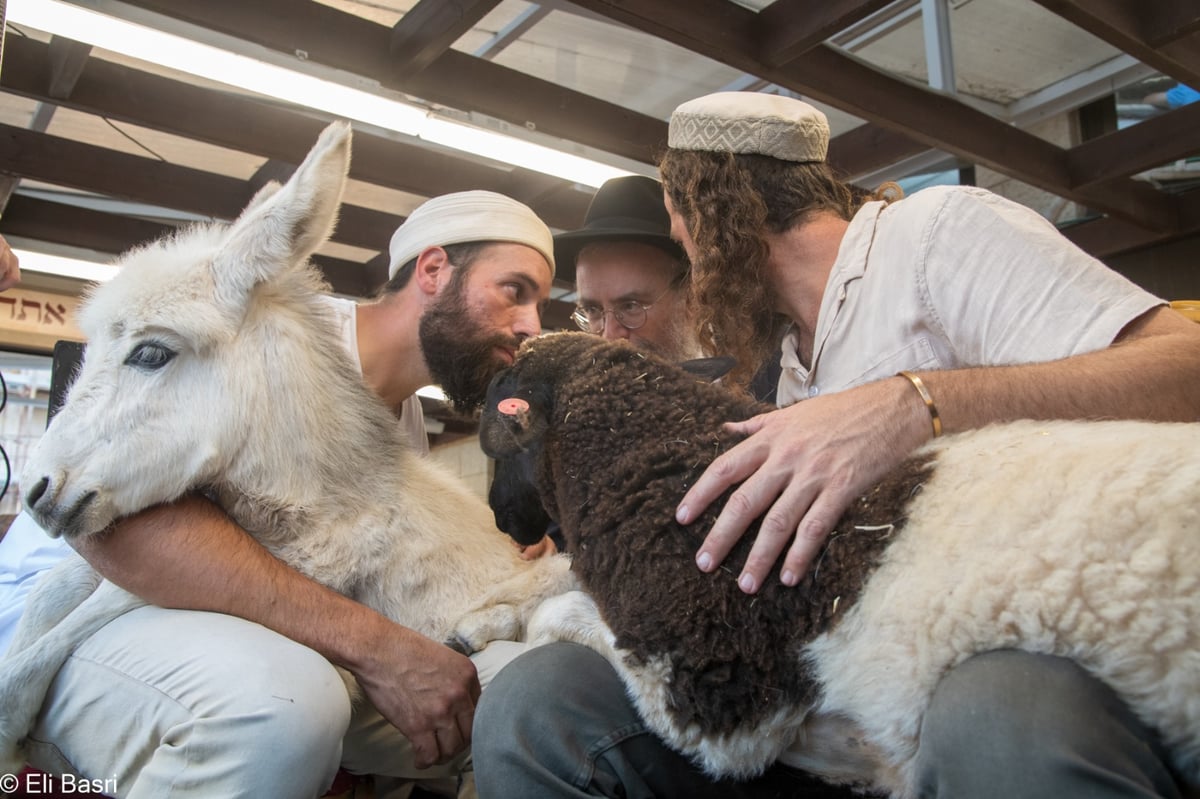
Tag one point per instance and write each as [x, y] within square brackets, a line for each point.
[1097, 560]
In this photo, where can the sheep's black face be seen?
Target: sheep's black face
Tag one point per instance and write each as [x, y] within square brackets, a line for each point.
[515, 419]
[515, 500]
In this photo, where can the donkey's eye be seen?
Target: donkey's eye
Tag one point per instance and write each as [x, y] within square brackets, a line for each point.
[149, 356]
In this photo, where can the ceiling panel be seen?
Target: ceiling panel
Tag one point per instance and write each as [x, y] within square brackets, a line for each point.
[602, 76]
[1003, 50]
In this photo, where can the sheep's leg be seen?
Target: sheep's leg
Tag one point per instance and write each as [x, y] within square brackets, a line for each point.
[572, 616]
[25, 675]
[834, 748]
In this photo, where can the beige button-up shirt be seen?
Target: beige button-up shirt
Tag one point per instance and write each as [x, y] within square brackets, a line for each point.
[954, 277]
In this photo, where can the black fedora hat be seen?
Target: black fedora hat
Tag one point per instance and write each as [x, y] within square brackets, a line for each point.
[623, 209]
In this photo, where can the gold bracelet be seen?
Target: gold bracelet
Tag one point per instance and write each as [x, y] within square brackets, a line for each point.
[919, 385]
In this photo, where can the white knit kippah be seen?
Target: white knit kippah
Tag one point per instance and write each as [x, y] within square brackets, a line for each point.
[468, 216]
[751, 123]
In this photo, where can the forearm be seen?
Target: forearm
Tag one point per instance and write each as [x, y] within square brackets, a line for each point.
[190, 555]
[1152, 372]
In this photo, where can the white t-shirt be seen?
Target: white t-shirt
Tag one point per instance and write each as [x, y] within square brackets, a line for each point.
[26, 551]
[954, 277]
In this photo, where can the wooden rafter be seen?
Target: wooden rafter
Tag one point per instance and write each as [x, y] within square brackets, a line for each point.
[429, 28]
[258, 127]
[347, 42]
[790, 28]
[1162, 34]
[726, 32]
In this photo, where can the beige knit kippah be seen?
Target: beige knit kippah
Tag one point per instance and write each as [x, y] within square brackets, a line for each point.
[467, 216]
[751, 123]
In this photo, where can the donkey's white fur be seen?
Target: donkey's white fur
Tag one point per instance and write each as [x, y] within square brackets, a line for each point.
[1074, 539]
[260, 406]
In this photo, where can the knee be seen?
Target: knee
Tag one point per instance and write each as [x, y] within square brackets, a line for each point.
[550, 694]
[1010, 718]
[525, 690]
[1012, 699]
[255, 709]
[293, 714]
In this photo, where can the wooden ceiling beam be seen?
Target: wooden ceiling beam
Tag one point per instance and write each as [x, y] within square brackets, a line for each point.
[43, 220]
[869, 148]
[429, 28]
[788, 29]
[1148, 144]
[67, 58]
[1168, 21]
[458, 80]
[267, 130]
[1120, 23]
[85, 167]
[725, 32]
[1106, 236]
[337, 39]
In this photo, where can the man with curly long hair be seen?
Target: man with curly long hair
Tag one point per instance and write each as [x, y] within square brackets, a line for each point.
[896, 320]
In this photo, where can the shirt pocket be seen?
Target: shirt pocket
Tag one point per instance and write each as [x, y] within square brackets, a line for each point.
[916, 355]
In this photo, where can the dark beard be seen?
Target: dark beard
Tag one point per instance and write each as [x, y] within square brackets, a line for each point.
[460, 356]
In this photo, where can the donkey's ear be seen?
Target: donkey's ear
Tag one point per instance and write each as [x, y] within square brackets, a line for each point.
[285, 226]
[267, 191]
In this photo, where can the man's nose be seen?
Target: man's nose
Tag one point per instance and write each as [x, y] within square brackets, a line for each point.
[614, 329]
[528, 322]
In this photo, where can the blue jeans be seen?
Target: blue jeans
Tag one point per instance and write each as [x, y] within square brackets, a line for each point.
[556, 723]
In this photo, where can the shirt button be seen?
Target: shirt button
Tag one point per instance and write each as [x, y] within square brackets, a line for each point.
[813, 391]
[841, 295]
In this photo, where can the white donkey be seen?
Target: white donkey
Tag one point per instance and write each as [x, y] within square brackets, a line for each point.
[212, 364]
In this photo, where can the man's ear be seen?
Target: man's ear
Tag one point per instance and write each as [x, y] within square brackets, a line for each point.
[432, 266]
[710, 369]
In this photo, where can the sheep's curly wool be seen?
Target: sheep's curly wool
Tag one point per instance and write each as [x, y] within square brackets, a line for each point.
[630, 436]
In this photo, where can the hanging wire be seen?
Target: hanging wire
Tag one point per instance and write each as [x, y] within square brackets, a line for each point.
[3, 454]
[114, 126]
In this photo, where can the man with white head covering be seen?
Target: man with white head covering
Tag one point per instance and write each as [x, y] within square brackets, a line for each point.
[243, 701]
[900, 320]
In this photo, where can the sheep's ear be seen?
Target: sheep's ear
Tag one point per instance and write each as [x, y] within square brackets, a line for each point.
[511, 424]
[285, 225]
[710, 369]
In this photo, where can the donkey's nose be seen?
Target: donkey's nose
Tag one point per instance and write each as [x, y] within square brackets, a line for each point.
[34, 494]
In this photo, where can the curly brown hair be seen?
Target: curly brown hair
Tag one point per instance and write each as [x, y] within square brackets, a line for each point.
[730, 203]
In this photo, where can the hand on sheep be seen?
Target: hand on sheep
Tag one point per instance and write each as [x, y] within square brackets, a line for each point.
[802, 466]
[539, 550]
[426, 690]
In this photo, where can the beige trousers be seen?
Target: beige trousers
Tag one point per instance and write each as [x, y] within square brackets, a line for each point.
[166, 703]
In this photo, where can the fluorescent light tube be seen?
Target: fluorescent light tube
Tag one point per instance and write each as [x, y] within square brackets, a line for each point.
[518, 152]
[232, 69]
[64, 267]
[222, 66]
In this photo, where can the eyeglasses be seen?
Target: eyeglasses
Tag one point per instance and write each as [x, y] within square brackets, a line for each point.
[630, 314]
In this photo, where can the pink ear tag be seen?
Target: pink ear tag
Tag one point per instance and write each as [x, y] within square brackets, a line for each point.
[512, 406]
